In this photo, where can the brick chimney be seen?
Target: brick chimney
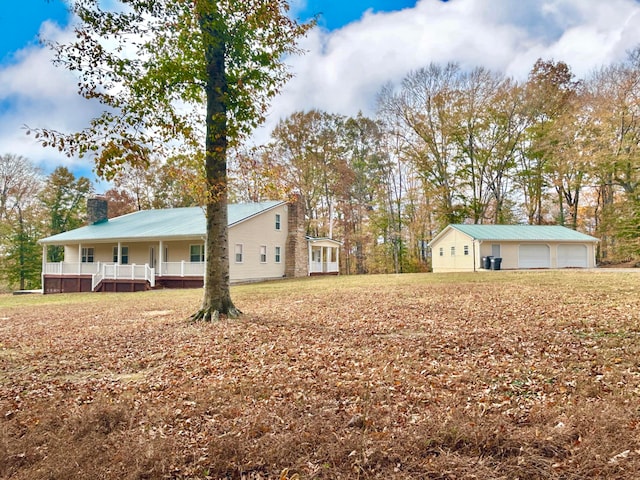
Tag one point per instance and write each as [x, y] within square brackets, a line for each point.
[296, 255]
[97, 210]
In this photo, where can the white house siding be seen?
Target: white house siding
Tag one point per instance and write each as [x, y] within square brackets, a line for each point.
[138, 252]
[177, 251]
[455, 261]
[101, 252]
[252, 234]
[71, 254]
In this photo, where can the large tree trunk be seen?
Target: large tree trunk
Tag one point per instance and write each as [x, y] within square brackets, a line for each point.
[217, 296]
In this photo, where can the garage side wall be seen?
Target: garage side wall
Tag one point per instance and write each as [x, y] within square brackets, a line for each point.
[453, 252]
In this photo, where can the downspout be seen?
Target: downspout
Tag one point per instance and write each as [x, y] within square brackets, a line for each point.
[474, 254]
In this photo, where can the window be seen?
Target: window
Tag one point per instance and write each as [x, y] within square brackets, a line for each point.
[466, 249]
[87, 255]
[453, 251]
[263, 254]
[124, 255]
[277, 221]
[441, 251]
[238, 253]
[196, 253]
[277, 255]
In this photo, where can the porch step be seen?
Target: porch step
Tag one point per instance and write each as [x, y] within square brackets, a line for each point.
[122, 285]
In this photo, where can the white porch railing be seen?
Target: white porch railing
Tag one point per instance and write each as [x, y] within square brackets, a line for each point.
[324, 267]
[64, 268]
[128, 272]
[183, 269]
[100, 271]
[113, 270]
[96, 278]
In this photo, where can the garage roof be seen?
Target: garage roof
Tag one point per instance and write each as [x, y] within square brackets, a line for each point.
[531, 233]
[158, 224]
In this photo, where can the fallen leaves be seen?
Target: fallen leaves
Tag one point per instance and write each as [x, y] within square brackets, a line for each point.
[330, 378]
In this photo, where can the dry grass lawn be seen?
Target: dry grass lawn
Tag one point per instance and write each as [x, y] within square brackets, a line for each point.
[493, 375]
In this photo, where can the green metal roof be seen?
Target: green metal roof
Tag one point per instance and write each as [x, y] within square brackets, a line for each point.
[156, 224]
[523, 233]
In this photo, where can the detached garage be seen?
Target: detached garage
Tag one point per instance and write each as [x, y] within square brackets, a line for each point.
[466, 248]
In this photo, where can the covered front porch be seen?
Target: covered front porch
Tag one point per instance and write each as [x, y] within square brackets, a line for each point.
[130, 266]
[122, 267]
[324, 256]
[65, 277]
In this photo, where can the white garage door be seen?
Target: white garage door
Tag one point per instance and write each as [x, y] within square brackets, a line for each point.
[572, 256]
[534, 256]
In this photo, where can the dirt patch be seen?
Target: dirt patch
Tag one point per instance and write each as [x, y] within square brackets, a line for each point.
[157, 313]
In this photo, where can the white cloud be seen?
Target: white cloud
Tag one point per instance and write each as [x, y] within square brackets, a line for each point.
[344, 69]
[36, 94]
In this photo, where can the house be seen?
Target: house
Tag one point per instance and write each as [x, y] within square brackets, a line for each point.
[166, 248]
[466, 248]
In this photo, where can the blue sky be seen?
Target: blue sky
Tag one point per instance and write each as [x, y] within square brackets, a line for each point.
[333, 14]
[358, 46]
[20, 22]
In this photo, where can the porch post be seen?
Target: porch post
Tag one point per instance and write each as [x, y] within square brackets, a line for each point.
[161, 258]
[337, 259]
[119, 255]
[329, 257]
[44, 265]
[322, 259]
[79, 258]
[310, 248]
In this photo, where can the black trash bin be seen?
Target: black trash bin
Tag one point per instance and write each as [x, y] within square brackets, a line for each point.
[495, 263]
[486, 262]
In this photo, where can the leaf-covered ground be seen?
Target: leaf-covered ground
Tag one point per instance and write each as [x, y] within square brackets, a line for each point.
[495, 375]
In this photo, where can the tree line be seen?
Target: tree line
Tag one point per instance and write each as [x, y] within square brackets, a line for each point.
[446, 145]
[449, 145]
[33, 206]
